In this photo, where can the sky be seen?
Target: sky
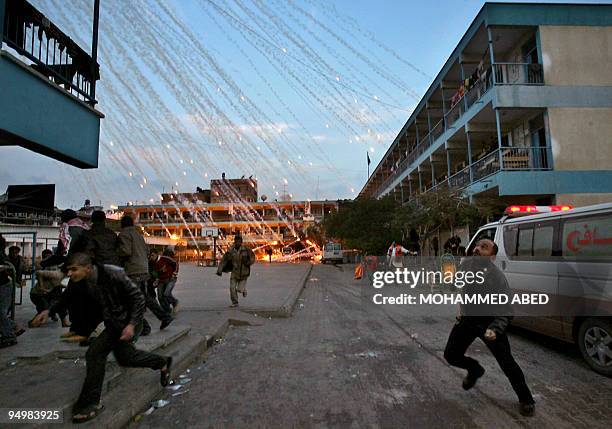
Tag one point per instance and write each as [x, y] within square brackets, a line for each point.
[294, 93]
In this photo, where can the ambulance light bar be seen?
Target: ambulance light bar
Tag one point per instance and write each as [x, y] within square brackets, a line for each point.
[529, 210]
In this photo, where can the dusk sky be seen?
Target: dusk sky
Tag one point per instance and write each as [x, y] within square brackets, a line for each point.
[294, 93]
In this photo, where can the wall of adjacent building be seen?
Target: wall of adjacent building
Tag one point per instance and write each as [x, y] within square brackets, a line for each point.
[576, 55]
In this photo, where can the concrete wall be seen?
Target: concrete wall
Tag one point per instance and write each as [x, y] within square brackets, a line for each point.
[576, 55]
[581, 139]
[581, 200]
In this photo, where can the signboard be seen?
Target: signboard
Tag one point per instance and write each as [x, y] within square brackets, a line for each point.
[212, 231]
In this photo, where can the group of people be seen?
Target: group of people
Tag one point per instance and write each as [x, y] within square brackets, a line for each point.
[153, 273]
[112, 279]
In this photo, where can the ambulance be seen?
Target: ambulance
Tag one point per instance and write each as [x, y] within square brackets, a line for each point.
[566, 253]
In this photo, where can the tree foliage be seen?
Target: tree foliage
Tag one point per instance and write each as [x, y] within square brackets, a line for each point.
[371, 225]
[364, 224]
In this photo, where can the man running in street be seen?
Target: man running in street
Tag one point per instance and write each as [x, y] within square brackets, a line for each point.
[238, 259]
[490, 329]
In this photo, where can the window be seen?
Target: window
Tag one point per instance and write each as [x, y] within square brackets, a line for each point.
[588, 237]
[525, 241]
[543, 240]
[510, 240]
[488, 233]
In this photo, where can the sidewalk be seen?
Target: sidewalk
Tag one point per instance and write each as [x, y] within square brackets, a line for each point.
[41, 371]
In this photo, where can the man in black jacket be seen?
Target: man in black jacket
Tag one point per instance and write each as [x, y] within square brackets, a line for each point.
[122, 305]
[476, 322]
[101, 242]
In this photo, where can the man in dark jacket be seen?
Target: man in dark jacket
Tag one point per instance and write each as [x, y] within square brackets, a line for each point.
[122, 305]
[101, 242]
[239, 258]
[133, 253]
[476, 322]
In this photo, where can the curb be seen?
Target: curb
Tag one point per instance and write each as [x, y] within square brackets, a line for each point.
[285, 310]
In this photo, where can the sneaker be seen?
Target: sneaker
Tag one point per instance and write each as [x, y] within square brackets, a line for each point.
[175, 309]
[527, 410]
[470, 380]
[165, 324]
[7, 342]
[19, 331]
[244, 293]
[234, 305]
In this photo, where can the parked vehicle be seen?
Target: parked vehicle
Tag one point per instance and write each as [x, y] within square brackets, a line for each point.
[332, 252]
[567, 254]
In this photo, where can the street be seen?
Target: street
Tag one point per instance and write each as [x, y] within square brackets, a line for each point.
[339, 362]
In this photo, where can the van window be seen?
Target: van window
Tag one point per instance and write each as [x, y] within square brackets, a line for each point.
[525, 242]
[510, 238]
[488, 233]
[543, 241]
[337, 246]
[587, 237]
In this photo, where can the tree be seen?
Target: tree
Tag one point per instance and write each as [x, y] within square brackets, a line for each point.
[364, 224]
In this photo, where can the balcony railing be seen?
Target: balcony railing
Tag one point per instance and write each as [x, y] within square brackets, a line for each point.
[505, 74]
[518, 74]
[52, 53]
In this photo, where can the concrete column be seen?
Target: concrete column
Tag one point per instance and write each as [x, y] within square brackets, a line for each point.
[433, 174]
[402, 191]
[409, 186]
[2, 9]
[469, 148]
[464, 101]
[499, 139]
[448, 163]
[420, 182]
[490, 37]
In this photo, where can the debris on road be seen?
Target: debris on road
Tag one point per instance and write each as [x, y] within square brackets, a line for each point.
[180, 393]
[159, 404]
[149, 411]
[184, 380]
[174, 387]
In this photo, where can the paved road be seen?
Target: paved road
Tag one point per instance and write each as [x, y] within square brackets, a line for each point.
[340, 362]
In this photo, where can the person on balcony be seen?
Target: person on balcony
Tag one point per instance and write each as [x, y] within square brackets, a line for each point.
[237, 260]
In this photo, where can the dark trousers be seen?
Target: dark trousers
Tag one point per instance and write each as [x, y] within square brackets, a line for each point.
[166, 299]
[85, 312]
[45, 301]
[464, 334]
[150, 301]
[126, 355]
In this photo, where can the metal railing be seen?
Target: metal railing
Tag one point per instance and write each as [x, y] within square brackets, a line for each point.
[460, 179]
[505, 74]
[52, 53]
[518, 74]
[525, 158]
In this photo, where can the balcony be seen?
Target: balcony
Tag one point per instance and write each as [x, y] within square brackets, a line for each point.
[511, 159]
[49, 85]
[504, 74]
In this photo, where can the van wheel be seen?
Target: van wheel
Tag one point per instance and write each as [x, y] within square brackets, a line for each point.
[595, 342]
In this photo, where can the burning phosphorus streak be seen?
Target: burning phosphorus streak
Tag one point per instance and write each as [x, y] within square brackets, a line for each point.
[144, 100]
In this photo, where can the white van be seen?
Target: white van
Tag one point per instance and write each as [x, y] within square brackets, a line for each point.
[332, 252]
[567, 254]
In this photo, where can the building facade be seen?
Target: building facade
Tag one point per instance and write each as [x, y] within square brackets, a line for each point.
[260, 223]
[521, 110]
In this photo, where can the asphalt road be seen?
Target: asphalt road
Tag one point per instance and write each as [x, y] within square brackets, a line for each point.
[342, 362]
